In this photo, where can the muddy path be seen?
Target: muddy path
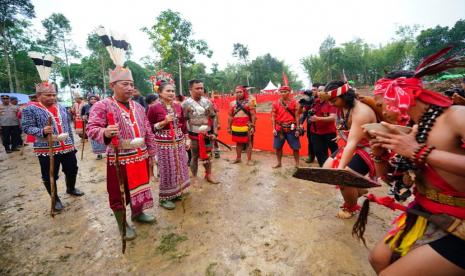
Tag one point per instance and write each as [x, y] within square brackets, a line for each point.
[258, 221]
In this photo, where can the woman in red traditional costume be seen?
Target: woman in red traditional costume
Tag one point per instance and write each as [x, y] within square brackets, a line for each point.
[169, 127]
[354, 150]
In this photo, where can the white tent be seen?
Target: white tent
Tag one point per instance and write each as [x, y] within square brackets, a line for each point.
[270, 87]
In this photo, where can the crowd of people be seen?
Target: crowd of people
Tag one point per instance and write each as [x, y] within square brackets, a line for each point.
[176, 133]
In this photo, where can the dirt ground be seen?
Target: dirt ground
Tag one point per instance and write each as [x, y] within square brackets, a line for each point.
[258, 221]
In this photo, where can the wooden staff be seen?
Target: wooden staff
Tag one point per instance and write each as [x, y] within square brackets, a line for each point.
[51, 170]
[115, 143]
[178, 171]
[83, 138]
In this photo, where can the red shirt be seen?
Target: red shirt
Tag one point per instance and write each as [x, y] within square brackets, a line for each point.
[282, 115]
[323, 109]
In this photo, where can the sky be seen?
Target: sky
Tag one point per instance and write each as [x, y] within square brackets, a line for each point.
[289, 30]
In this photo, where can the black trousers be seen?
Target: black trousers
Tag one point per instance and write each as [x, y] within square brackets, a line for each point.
[68, 162]
[321, 143]
[18, 138]
[11, 135]
[311, 150]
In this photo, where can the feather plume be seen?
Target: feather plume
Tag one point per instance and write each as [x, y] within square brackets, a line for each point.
[43, 63]
[115, 44]
[433, 57]
[437, 63]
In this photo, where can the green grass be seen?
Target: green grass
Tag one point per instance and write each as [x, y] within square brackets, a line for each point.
[169, 243]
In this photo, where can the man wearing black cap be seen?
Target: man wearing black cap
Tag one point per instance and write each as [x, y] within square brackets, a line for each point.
[9, 124]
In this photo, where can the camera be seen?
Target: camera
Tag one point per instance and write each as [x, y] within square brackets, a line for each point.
[450, 92]
[307, 100]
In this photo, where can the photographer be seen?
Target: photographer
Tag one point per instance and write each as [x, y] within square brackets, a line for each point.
[321, 127]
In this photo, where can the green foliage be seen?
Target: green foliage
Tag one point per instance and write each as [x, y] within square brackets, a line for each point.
[434, 39]
[360, 61]
[171, 37]
[141, 77]
[241, 51]
[13, 17]
[9, 10]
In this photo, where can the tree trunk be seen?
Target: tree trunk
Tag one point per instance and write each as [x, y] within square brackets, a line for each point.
[67, 68]
[5, 56]
[15, 71]
[15, 74]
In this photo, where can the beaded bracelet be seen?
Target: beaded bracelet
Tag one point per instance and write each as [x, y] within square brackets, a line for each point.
[421, 153]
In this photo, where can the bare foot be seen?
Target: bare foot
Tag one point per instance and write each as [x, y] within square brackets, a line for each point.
[211, 180]
[249, 163]
[236, 161]
[344, 214]
[276, 166]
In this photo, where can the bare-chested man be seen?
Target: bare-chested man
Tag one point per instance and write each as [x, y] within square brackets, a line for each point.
[241, 123]
[436, 148]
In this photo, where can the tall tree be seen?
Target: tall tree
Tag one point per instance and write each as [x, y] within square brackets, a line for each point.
[10, 11]
[99, 53]
[241, 52]
[58, 28]
[171, 37]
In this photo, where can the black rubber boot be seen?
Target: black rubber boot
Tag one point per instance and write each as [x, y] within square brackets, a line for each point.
[130, 232]
[58, 204]
[70, 186]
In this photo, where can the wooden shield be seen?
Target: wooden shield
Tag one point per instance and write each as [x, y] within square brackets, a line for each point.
[335, 177]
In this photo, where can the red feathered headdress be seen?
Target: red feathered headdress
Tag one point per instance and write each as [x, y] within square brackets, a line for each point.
[400, 93]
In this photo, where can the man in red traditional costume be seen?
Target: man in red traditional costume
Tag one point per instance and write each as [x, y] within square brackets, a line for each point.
[285, 124]
[76, 114]
[136, 142]
[354, 149]
[241, 123]
[435, 155]
[202, 128]
[35, 122]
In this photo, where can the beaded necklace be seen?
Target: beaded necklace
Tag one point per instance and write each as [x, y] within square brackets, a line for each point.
[127, 116]
[425, 124]
[171, 110]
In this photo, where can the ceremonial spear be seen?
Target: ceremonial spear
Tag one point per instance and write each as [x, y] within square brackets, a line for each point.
[51, 170]
[115, 143]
